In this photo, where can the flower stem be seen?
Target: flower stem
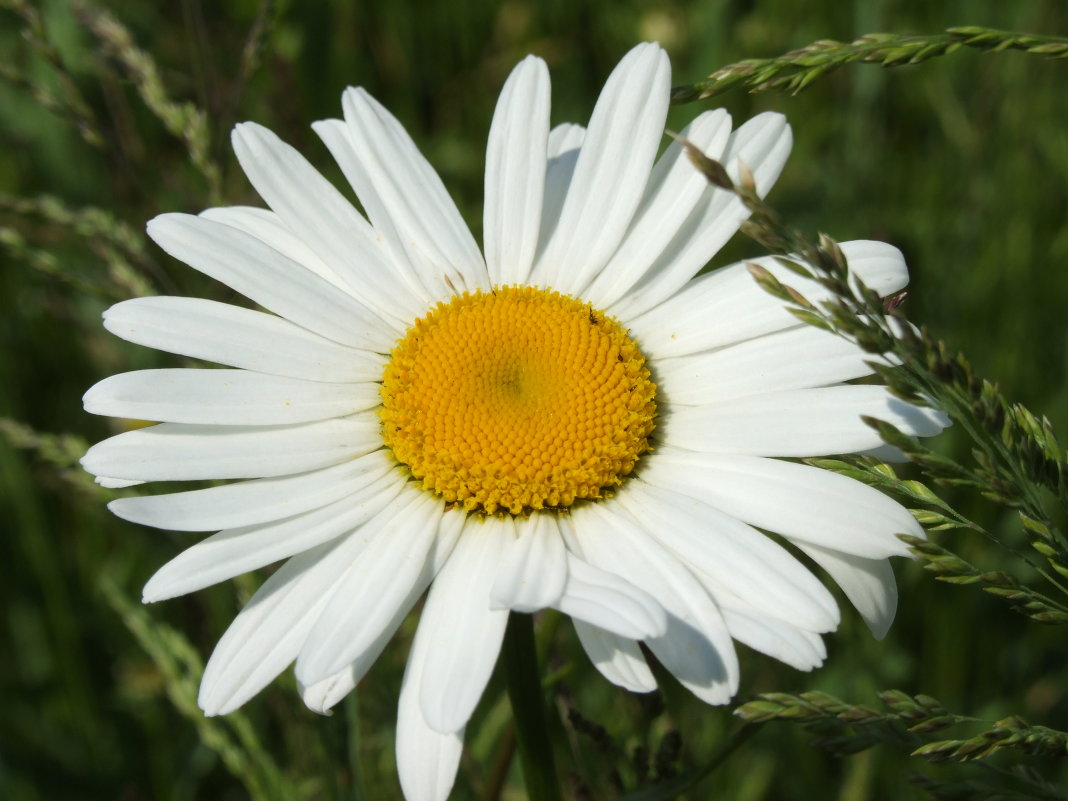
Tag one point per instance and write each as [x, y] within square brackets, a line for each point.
[528, 706]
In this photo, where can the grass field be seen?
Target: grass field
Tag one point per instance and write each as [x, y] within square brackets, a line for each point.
[961, 161]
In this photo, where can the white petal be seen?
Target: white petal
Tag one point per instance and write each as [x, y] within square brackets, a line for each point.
[225, 397]
[797, 358]
[179, 452]
[800, 422]
[268, 633]
[387, 577]
[727, 305]
[426, 759]
[735, 556]
[449, 530]
[800, 502]
[516, 158]
[564, 144]
[268, 227]
[885, 453]
[674, 189]
[463, 633]
[422, 279]
[218, 332]
[265, 637]
[115, 483]
[868, 584]
[271, 279]
[405, 198]
[696, 648]
[319, 214]
[533, 568]
[612, 170]
[762, 143]
[878, 265]
[619, 660]
[796, 647]
[238, 550]
[248, 503]
[610, 602]
[322, 695]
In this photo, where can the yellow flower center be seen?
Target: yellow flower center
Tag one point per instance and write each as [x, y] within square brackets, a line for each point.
[517, 399]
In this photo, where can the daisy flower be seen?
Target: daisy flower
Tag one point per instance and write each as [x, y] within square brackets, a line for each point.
[566, 418]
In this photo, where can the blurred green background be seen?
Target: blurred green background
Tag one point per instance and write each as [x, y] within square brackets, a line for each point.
[962, 162]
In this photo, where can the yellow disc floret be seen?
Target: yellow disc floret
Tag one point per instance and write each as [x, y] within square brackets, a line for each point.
[517, 399]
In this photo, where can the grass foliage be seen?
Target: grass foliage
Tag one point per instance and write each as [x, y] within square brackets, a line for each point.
[115, 112]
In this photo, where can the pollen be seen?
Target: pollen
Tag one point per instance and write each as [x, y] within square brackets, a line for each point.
[517, 399]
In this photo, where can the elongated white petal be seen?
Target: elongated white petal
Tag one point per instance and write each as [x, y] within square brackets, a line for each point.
[405, 198]
[320, 696]
[423, 279]
[800, 422]
[268, 633]
[516, 157]
[564, 144]
[868, 584]
[885, 453]
[116, 483]
[696, 647]
[610, 602]
[674, 189]
[319, 214]
[762, 144]
[878, 265]
[533, 568]
[238, 550]
[380, 583]
[265, 637]
[271, 279]
[225, 397]
[612, 170]
[426, 759]
[734, 555]
[802, 503]
[463, 634]
[268, 227]
[323, 695]
[796, 647]
[248, 503]
[797, 358]
[178, 452]
[452, 526]
[618, 659]
[727, 305]
[218, 332]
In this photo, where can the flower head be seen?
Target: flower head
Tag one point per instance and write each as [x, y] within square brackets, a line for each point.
[566, 418]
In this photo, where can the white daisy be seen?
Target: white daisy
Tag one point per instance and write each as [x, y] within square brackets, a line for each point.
[566, 419]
